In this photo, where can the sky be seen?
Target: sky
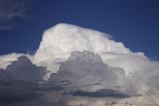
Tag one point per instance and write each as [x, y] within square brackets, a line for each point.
[133, 22]
[74, 63]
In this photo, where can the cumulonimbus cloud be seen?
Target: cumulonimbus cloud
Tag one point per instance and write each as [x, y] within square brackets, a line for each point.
[60, 41]
[72, 50]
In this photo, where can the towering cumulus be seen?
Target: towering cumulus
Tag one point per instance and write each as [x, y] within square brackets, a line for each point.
[61, 40]
[76, 54]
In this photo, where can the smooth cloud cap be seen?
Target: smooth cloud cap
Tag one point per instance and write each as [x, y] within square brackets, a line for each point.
[61, 40]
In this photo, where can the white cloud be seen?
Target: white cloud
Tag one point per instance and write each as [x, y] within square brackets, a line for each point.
[5, 60]
[133, 101]
[60, 41]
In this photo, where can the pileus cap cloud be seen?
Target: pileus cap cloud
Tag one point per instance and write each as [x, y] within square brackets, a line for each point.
[61, 40]
[69, 38]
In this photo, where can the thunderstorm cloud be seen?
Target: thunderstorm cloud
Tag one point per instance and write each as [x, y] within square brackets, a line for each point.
[75, 66]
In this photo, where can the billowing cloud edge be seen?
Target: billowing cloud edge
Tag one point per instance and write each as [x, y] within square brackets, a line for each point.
[60, 41]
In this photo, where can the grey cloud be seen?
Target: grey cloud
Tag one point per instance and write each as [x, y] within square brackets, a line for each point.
[22, 69]
[148, 77]
[83, 79]
[22, 85]
[83, 75]
[101, 93]
[17, 91]
[22, 93]
[11, 10]
[86, 71]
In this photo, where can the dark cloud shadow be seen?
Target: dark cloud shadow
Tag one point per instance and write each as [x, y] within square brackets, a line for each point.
[22, 69]
[101, 93]
[22, 84]
[17, 91]
[85, 70]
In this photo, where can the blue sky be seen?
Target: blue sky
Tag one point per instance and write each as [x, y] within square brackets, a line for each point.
[133, 22]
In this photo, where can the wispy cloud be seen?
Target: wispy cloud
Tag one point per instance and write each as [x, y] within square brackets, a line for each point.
[10, 10]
